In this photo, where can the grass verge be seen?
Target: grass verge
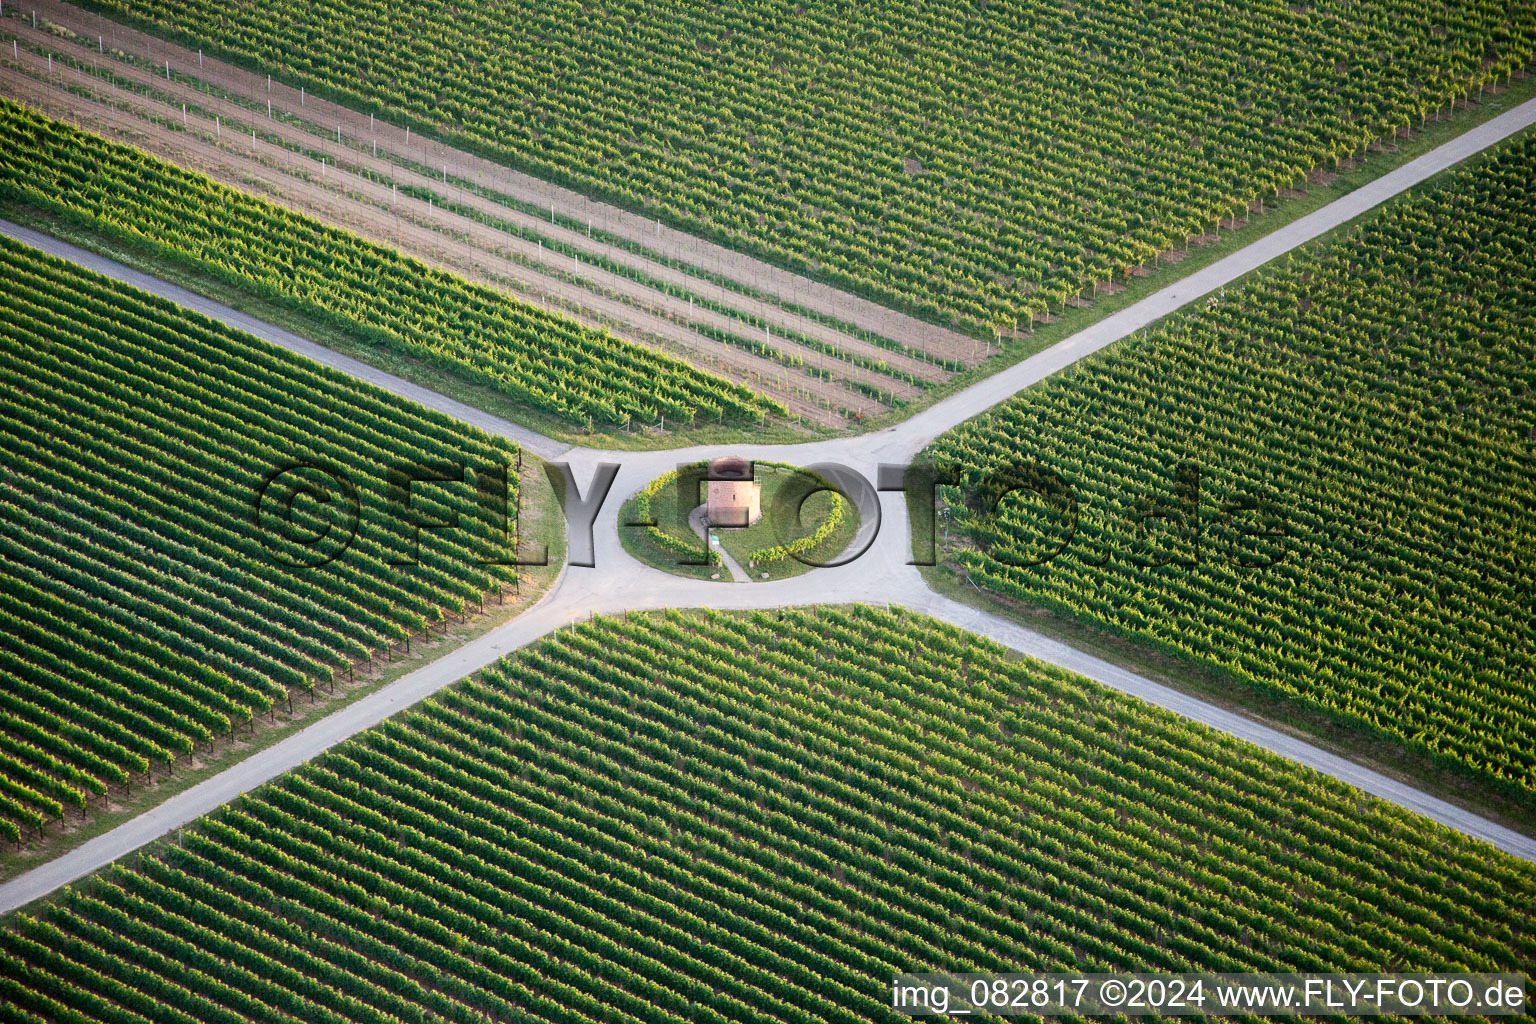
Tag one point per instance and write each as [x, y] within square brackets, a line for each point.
[1380, 160]
[766, 532]
[1213, 687]
[1381, 754]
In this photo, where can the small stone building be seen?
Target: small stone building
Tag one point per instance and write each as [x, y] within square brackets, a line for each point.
[735, 499]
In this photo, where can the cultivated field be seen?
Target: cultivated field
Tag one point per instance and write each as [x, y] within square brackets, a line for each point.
[830, 357]
[148, 616]
[553, 366]
[982, 164]
[699, 816]
[1379, 396]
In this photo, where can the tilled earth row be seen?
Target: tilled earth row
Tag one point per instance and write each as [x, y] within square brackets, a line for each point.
[670, 309]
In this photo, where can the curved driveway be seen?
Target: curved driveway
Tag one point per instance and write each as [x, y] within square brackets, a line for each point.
[881, 576]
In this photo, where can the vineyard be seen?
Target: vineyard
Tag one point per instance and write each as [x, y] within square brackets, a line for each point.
[764, 817]
[153, 598]
[1370, 408]
[580, 376]
[984, 164]
[477, 220]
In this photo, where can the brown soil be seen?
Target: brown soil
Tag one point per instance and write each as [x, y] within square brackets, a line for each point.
[360, 134]
[443, 239]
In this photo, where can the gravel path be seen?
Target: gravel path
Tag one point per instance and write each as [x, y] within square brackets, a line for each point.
[618, 582]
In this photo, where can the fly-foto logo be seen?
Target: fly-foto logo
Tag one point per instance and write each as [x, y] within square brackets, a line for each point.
[308, 514]
[1024, 514]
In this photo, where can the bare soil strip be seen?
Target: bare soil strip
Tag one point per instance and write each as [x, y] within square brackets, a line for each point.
[361, 154]
[839, 373]
[463, 246]
[775, 282]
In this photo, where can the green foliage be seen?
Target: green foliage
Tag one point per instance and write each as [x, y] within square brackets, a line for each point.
[829, 510]
[548, 362]
[759, 818]
[145, 608]
[1381, 395]
[675, 538]
[975, 161]
[826, 514]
